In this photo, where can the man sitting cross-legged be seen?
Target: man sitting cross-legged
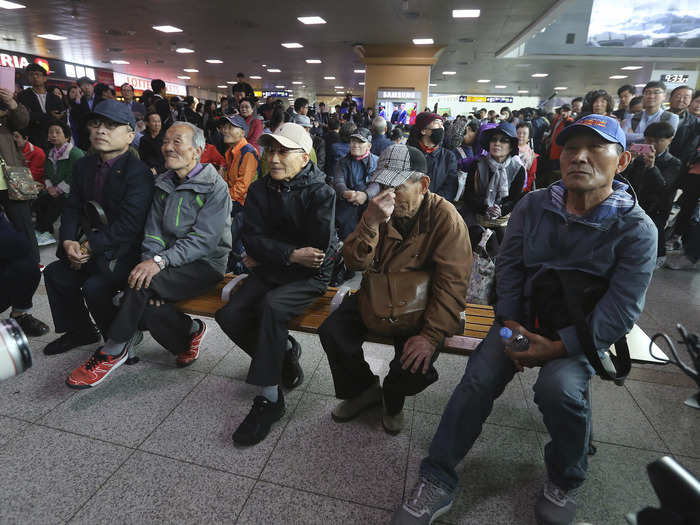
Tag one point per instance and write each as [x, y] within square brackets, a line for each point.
[186, 244]
[289, 235]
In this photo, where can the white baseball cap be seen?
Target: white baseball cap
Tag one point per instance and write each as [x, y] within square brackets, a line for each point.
[288, 135]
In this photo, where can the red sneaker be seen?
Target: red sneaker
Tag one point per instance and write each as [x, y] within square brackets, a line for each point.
[189, 356]
[96, 369]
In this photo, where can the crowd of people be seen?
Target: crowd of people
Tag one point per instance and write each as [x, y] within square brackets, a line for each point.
[152, 201]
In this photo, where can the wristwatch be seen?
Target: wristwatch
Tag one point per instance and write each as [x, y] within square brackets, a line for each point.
[160, 261]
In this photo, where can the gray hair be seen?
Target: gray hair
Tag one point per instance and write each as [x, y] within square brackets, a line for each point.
[379, 123]
[416, 176]
[198, 140]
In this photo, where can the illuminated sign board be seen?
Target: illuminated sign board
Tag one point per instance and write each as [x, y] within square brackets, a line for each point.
[493, 100]
[142, 84]
[396, 94]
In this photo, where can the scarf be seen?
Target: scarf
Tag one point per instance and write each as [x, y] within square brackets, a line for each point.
[56, 154]
[426, 149]
[363, 157]
[526, 155]
[499, 183]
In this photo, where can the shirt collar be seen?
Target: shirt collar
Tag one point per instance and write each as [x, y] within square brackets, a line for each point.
[193, 173]
[111, 162]
[619, 201]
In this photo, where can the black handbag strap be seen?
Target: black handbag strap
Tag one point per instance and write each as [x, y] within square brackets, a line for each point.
[621, 361]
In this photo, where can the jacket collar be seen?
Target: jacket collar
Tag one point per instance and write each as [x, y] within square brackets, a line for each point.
[201, 183]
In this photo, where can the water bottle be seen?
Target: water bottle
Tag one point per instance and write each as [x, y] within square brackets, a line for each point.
[514, 340]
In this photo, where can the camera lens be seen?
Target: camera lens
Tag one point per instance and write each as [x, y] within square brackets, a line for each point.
[15, 356]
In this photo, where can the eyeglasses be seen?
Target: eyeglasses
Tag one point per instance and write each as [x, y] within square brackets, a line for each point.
[654, 92]
[283, 152]
[502, 140]
[109, 124]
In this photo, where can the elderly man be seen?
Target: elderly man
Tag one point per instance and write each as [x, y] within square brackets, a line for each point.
[137, 108]
[590, 223]
[289, 237]
[92, 272]
[185, 247]
[380, 142]
[405, 228]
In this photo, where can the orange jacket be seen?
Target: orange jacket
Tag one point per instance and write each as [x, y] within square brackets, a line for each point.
[241, 169]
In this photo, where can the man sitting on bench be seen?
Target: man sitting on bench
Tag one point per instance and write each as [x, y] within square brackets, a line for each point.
[289, 237]
[187, 240]
[588, 222]
[405, 228]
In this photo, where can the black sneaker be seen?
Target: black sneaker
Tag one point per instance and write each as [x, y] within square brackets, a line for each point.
[31, 326]
[292, 373]
[68, 341]
[257, 423]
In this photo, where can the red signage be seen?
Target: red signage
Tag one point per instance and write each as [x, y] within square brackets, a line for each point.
[20, 61]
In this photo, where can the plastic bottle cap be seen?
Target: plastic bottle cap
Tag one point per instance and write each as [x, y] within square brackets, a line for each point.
[505, 332]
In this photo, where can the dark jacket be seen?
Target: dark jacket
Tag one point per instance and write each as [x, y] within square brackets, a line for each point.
[280, 217]
[620, 247]
[162, 107]
[379, 144]
[351, 174]
[685, 141]
[442, 170]
[474, 191]
[655, 187]
[150, 151]
[38, 128]
[128, 193]
[320, 149]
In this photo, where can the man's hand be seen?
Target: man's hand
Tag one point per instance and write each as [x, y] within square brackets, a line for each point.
[75, 256]
[417, 350]
[58, 115]
[348, 195]
[309, 257]
[540, 352]
[359, 198]
[650, 157]
[8, 98]
[249, 262]
[493, 212]
[142, 274]
[53, 191]
[380, 208]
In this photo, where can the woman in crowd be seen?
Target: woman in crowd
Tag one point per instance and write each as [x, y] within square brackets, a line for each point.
[58, 174]
[246, 108]
[461, 138]
[152, 143]
[396, 135]
[599, 102]
[526, 154]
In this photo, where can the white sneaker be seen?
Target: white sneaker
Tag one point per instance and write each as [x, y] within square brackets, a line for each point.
[660, 261]
[45, 238]
[682, 263]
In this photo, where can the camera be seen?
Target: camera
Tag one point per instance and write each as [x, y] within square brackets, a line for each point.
[15, 356]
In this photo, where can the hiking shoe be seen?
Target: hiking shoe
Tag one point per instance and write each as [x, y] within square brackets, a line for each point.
[292, 373]
[189, 356]
[555, 506]
[392, 423]
[68, 341]
[682, 263]
[349, 409]
[96, 369]
[31, 326]
[424, 505]
[256, 425]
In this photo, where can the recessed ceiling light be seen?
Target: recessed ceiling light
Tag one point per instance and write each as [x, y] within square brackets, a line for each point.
[50, 36]
[358, 71]
[328, 78]
[274, 70]
[313, 61]
[617, 77]
[523, 91]
[561, 88]
[640, 85]
[183, 77]
[292, 45]
[631, 68]
[500, 86]
[339, 87]
[449, 72]
[423, 41]
[540, 75]
[184, 50]
[483, 81]
[466, 13]
[222, 87]
[11, 5]
[191, 70]
[432, 85]
[119, 62]
[279, 87]
[231, 82]
[214, 61]
[168, 29]
[297, 83]
[361, 83]
[308, 20]
[255, 77]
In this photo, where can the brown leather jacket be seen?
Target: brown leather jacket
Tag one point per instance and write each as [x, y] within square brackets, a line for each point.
[439, 244]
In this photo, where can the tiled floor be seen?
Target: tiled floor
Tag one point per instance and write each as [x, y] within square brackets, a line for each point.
[153, 444]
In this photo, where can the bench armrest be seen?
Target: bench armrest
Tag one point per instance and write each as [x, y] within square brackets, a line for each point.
[226, 290]
[338, 298]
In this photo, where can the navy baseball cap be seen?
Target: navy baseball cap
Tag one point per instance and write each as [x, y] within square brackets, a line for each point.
[236, 120]
[607, 127]
[116, 111]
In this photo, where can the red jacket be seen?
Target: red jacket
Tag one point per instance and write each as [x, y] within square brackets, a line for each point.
[255, 129]
[34, 158]
[211, 155]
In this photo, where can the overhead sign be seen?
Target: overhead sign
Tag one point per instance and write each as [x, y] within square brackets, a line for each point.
[277, 94]
[21, 61]
[398, 95]
[494, 100]
[142, 84]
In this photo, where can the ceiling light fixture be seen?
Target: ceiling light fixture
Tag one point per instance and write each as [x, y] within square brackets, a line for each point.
[483, 81]
[423, 41]
[222, 87]
[231, 82]
[361, 83]
[50, 36]
[310, 20]
[279, 87]
[214, 61]
[540, 75]
[184, 50]
[358, 71]
[617, 77]
[168, 29]
[328, 78]
[191, 70]
[560, 88]
[183, 77]
[500, 86]
[313, 61]
[466, 13]
[292, 45]
[640, 85]
[339, 87]
[631, 68]
[297, 83]
[522, 91]
[119, 62]
[432, 85]
[11, 5]
[449, 72]
[255, 77]
[274, 70]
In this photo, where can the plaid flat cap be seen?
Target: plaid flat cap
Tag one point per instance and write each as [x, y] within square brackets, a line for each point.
[397, 163]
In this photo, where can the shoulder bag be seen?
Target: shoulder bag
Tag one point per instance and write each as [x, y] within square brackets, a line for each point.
[21, 185]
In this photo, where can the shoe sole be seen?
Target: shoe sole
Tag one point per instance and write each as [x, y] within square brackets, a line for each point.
[201, 341]
[440, 512]
[389, 431]
[83, 387]
[251, 443]
[339, 419]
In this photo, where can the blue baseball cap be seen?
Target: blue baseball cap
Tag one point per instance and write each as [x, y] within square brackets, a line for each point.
[238, 121]
[607, 127]
[116, 111]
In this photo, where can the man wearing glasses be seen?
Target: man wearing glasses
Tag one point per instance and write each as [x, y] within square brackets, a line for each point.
[289, 238]
[93, 267]
[653, 96]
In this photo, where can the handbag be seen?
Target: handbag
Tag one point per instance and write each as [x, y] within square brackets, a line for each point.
[21, 185]
[483, 277]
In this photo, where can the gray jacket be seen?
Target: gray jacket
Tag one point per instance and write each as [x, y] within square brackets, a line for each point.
[620, 247]
[190, 221]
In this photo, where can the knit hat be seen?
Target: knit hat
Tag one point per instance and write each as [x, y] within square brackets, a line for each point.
[424, 119]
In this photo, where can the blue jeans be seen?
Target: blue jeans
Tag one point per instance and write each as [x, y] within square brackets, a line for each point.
[560, 393]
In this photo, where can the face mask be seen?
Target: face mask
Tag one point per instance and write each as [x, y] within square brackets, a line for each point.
[437, 135]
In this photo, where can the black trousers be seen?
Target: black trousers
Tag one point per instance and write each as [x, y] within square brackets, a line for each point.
[342, 335]
[75, 294]
[256, 320]
[48, 210]
[346, 217]
[168, 326]
[20, 215]
[20, 278]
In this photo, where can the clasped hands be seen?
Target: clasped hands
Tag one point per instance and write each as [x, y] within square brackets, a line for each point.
[308, 257]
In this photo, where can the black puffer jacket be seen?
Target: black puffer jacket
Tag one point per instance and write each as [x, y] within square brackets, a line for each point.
[442, 170]
[280, 217]
[655, 187]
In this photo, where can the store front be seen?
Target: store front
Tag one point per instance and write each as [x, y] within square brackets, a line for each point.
[398, 106]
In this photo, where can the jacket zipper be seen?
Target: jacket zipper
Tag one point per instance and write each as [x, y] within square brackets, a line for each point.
[177, 217]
